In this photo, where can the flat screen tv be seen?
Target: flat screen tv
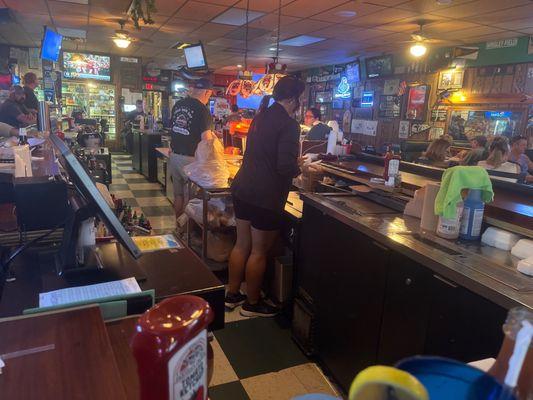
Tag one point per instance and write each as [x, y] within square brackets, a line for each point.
[195, 57]
[51, 45]
[377, 67]
[86, 66]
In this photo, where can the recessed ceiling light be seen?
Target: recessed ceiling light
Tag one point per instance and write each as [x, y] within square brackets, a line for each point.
[302, 40]
[346, 13]
[236, 17]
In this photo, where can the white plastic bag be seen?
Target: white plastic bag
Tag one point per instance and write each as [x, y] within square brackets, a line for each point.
[209, 168]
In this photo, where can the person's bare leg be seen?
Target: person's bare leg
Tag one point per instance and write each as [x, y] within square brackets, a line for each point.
[262, 242]
[239, 256]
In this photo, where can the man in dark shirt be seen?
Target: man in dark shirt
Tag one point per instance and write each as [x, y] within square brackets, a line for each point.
[190, 119]
[12, 110]
[318, 131]
[139, 111]
[31, 82]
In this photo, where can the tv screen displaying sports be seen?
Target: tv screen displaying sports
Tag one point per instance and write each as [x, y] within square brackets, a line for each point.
[195, 56]
[86, 66]
[377, 67]
[51, 45]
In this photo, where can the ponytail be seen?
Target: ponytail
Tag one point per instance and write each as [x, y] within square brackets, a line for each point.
[264, 103]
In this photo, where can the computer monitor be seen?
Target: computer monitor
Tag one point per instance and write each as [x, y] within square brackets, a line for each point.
[195, 57]
[88, 190]
[51, 45]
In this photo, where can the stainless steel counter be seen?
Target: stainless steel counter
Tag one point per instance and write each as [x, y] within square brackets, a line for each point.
[484, 270]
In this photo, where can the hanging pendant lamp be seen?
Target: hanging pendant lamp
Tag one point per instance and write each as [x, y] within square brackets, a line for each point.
[243, 85]
[275, 70]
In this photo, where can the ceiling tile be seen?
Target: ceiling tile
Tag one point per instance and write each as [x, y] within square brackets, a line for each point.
[168, 7]
[33, 23]
[445, 27]
[478, 7]
[337, 14]
[387, 3]
[517, 24]
[197, 11]
[503, 16]
[382, 17]
[180, 25]
[237, 16]
[106, 14]
[240, 33]
[263, 5]
[112, 5]
[307, 8]
[58, 8]
[303, 27]
[425, 6]
[270, 22]
[70, 21]
[464, 34]
[337, 31]
[220, 2]
[33, 6]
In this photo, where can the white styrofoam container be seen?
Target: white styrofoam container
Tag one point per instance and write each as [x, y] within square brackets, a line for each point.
[499, 238]
[525, 266]
[523, 249]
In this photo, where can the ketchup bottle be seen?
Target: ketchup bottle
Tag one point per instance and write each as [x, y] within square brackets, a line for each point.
[171, 349]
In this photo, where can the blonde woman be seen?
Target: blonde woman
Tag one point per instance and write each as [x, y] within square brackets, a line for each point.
[497, 159]
[436, 153]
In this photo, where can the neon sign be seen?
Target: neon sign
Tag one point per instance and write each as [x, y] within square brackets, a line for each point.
[343, 89]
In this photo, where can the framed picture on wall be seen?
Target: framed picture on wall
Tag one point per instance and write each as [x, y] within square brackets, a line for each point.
[451, 79]
[417, 101]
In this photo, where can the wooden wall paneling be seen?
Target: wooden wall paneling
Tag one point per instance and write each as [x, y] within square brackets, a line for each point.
[477, 86]
[529, 79]
[519, 84]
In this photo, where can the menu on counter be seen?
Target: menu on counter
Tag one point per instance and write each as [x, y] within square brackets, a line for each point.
[154, 243]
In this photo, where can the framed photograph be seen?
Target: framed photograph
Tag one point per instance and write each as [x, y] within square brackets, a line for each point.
[451, 79]
[417, 101]
[389, 106]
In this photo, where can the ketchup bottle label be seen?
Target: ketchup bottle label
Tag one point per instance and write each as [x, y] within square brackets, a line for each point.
[187, 370]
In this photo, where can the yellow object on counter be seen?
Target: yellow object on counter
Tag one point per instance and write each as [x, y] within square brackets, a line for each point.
[382, 383]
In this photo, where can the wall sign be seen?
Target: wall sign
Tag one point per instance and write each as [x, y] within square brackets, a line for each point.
[439, 114]
[367, 99]
[343, 89]
[451, 79]
[417, 103]
[500, 44]
[370, 128]
[322, 78]
[391, 86]
[132, 60]
[389, 107]
[403, 129]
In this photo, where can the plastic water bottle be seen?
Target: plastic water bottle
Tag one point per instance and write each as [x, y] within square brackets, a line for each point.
[472, 216]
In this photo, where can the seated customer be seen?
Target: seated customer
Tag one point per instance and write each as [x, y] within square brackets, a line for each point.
[518, 155]
[497, 160]
[436, 154]
[7, 130]
[478, 153]
[319, 130]
[12, 110]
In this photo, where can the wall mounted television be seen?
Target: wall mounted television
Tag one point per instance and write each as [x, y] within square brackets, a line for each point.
[195, 57]
[86, 66]
[377, 67]
[51, 45]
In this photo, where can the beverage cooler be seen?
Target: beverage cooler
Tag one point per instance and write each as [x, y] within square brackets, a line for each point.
[96, 100]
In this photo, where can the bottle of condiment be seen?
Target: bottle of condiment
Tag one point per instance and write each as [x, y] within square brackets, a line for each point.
[448, 228]
[171, 349]
[392, 164]
[472, 216]
[23, 137]
[513, 324]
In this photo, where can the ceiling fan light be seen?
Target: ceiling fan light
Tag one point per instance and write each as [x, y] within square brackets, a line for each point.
[418, 50]
[122, 43]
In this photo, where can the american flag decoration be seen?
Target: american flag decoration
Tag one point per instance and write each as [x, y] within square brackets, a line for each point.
[402, 88]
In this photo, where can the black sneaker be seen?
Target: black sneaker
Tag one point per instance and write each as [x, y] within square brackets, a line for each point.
[261, 309]
[234, 300]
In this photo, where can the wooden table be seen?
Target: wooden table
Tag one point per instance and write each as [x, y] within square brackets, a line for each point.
[72, 358]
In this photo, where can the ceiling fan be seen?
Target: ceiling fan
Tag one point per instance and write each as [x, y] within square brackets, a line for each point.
[123, 38]
[419, 39]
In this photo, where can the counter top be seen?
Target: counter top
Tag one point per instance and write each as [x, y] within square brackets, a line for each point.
[484, 270]
[508, 206]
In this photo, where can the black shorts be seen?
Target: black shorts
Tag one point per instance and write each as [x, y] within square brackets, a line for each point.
[260, 218]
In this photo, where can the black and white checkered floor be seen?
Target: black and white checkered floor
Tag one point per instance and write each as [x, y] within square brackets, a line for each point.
[255, 358]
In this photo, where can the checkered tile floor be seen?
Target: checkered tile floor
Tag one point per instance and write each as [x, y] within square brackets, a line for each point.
[255, 358]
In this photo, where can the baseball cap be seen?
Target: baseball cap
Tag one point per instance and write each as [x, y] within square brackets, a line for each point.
[202, 83]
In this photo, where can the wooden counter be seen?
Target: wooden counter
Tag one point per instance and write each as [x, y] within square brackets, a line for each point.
[509, 206]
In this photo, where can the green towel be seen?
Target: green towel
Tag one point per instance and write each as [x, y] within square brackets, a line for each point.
[454, 180]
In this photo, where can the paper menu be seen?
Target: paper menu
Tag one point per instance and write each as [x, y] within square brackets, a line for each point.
[154, 243]
[89, 292]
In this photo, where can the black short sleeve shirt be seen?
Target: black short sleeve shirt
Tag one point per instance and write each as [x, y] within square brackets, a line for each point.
[190, 118]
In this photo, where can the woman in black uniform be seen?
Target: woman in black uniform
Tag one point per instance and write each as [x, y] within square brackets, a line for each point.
[260, 192]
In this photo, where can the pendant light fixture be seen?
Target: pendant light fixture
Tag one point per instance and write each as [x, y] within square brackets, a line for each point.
[243, 85]
[275, 70]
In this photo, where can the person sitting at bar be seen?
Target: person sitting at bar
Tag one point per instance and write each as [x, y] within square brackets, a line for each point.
[518, 155]
[135, 114]
[319, 130]
[260, 191]
[12, 110]
[497, 159]
[31, 82]
[190, 119]
[436, 154]
[7, 131]
[478, 152]
[235, 115]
